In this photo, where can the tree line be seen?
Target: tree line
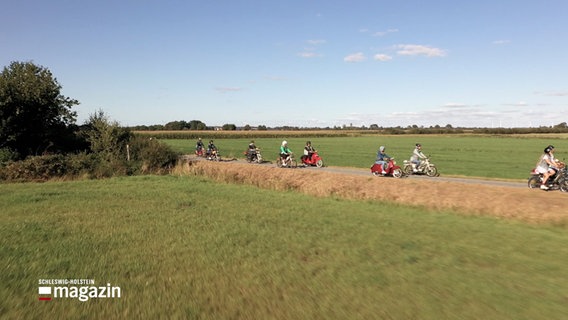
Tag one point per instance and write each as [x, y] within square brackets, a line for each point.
[198, 125]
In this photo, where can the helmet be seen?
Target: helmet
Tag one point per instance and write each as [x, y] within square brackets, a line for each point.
[284, 142]
[418, 145]
[382, 148]
[547, 149]
[309, 142]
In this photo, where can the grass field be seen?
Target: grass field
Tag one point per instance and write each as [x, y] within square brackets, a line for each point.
[504, 157]
[187, 247]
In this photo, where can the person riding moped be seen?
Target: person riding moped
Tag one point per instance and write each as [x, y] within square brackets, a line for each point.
[308, 151]
[382, 158]
[199, 146]
[251, 152]
[285, 152]
[211, 149]
[548, 166]
[416, 157]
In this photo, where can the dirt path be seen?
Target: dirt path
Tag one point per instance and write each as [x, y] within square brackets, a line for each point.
[511, 200]
[366, 172]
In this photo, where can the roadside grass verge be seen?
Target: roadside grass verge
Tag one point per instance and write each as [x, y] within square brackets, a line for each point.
[472, 199]
[501, 157]
[188, 247]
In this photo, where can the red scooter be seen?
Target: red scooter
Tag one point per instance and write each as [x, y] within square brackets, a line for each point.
[314, 160]
[392, 170]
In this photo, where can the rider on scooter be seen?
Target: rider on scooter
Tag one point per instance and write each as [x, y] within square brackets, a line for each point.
[199, 146]
[308, 151]
[547, 165]
[251, 152]
[382, 159]
[417, 155]
[211, 149]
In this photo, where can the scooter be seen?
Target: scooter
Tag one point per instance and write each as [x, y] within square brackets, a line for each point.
[392, 170]
[253, 156]
[425, 167]
[214, 155]
[554, 182]
[314, 160]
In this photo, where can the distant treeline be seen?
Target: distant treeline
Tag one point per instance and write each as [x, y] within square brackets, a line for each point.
[192, 129]
[322, 133]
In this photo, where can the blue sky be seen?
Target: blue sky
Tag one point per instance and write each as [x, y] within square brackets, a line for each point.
[484, 63]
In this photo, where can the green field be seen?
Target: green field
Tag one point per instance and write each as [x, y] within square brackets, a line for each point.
[502, 157]
[186, 247]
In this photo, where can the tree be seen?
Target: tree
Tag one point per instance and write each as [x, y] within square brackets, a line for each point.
[176, 125]
[106, 137]
[197, 125]
[34, 116]
[229, 127]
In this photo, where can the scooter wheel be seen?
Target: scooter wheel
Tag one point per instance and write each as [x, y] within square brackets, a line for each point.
[397, 173]
[534, 182]
[432, 172]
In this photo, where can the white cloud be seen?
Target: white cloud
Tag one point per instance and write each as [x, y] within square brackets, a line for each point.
[517, 104]
[275, 78]
[355, 57]
[459, 115]
[455, 105]
[382, 57]
[501, 42]
[415, 50]
[310, 51]
[553, 93]
[384, 33]
[228, 89]
[316, 42]
[309, 54]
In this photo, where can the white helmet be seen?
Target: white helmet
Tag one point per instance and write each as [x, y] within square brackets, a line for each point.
[284, 142]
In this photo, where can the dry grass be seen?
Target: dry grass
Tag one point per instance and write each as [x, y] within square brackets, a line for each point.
[526, 205]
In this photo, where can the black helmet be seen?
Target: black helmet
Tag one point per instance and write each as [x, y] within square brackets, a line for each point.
[418, 145]
[548, 149]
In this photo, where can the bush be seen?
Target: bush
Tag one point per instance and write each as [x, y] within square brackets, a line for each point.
[35, 168]
[146, 155]
[7, 155]
[71, 166]
[149, 155]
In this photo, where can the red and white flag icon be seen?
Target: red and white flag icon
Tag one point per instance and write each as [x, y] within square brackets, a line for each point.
[44, 291]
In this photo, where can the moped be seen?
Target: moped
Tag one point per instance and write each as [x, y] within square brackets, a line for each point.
[313, 160]
[392, 170]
